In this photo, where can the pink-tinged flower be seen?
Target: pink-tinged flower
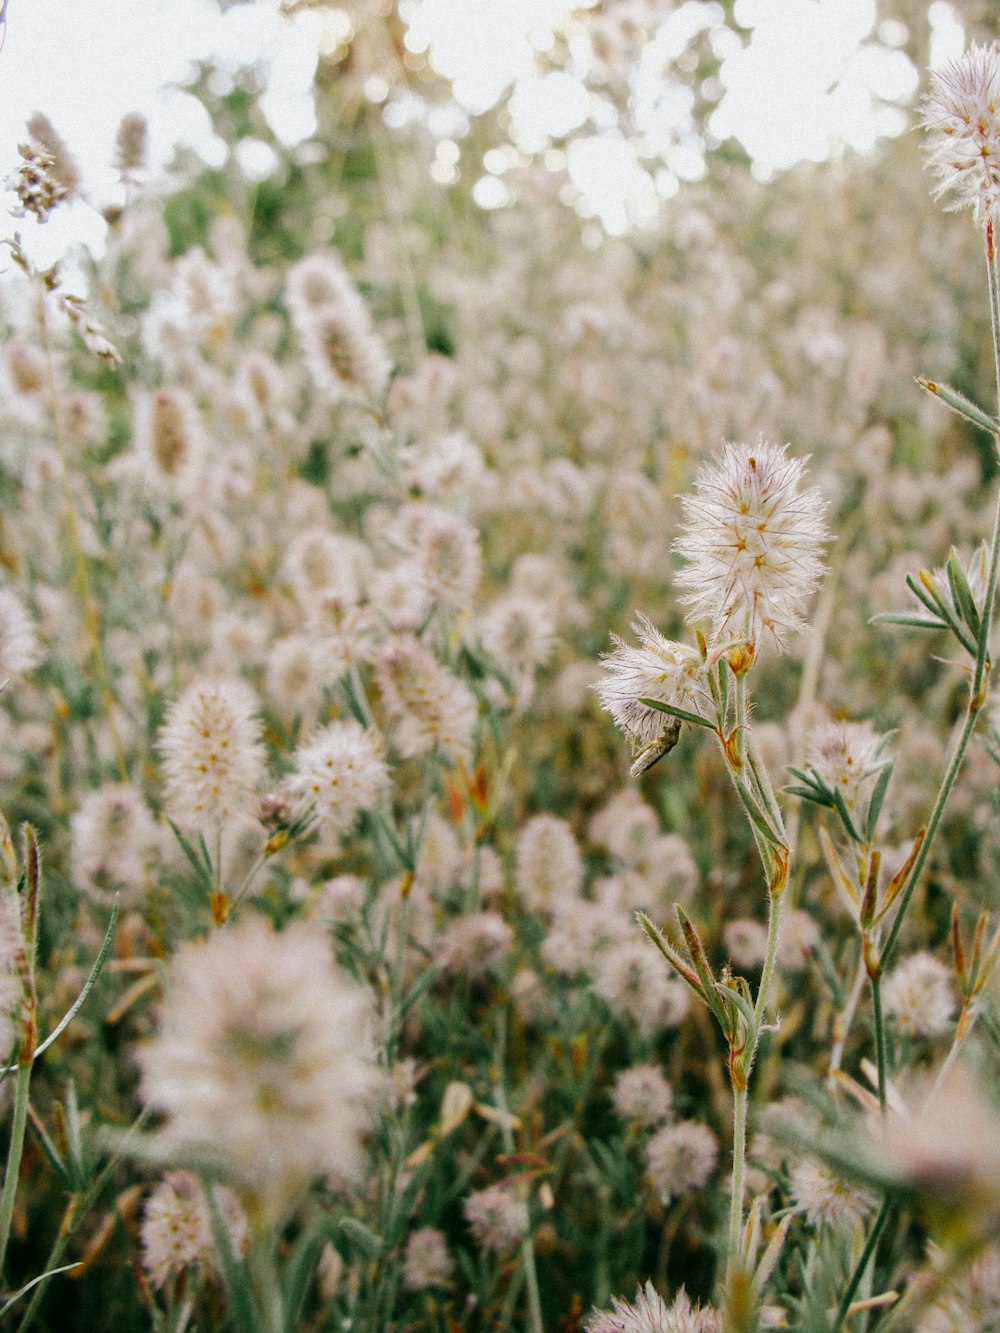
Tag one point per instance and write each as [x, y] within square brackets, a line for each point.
[649, 1313]
[753, 540]
[845, 754]
[176, 1229]
[642, 1096]
[429, 706]
[427, 1263]
[262, 1066]
[497, 1218]
[549, 865]
[962, 116]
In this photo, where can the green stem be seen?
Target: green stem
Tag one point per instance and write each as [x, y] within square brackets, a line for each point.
[10, 1180]
[944, 792]
[536, 1324]
[767, 973]
[977, 688]
[734, 1255]
[859, 1270]
[880, 1049]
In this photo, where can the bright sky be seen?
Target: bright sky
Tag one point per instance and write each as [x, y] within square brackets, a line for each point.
[809, 79]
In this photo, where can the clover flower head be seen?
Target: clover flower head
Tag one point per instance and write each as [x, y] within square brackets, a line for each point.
[658, 668]
[753, 540]
[961, 113]
[649, 1313]
[263, 1063]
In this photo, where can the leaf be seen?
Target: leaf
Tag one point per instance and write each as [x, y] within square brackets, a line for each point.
[913, 620]
[203, 871]
[234, 1274]
[959, 404]
[682, 714]
[299, 1270]
[877, 800]
[845, 815]
[88, 985]
[961, 594]
[42, 1277]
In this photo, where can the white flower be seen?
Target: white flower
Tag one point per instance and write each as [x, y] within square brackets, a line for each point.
[19, 651]
[827, 1199]
[176, 1230]
[262, 1065]
[658, 669]
[844, 755]
[753, 541]
[213, 759]
[429, 706]
[642, 1096]
[341, 771]
[428, 1263]
[962, 116]
[549, 865]
[920, 995]
[680, 1158]
[649, 1313]
[497, 1218]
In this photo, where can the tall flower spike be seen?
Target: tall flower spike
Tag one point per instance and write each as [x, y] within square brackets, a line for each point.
[753, 539]
[962, 116]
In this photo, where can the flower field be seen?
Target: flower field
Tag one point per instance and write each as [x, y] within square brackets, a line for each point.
[500, 763]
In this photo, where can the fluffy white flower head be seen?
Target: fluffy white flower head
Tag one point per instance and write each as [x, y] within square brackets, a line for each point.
[962, 116]
[212, 755]
[340, 770]
[657, 669]
[649, 1313]
[262, 1065]
[753, 540]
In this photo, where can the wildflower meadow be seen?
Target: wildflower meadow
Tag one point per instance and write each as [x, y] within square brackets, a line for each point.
[500, 767]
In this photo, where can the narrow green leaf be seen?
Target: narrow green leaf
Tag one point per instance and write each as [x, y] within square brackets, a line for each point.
[203, 873]
[728, 993]
[757, 815]
[914, 621]
[42, 1277]
[682, 713]
[935, 603]
[877, 800]
[962, 406]
[679, 964]
[298, 1274]
[928, 598]
[48, 1145]
[363, 1237]
[845, 815]
[809, 794]
[88, 985]
[962, 594]
[234, 1274]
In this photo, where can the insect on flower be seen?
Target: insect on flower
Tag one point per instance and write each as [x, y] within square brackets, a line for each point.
[653, 751]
